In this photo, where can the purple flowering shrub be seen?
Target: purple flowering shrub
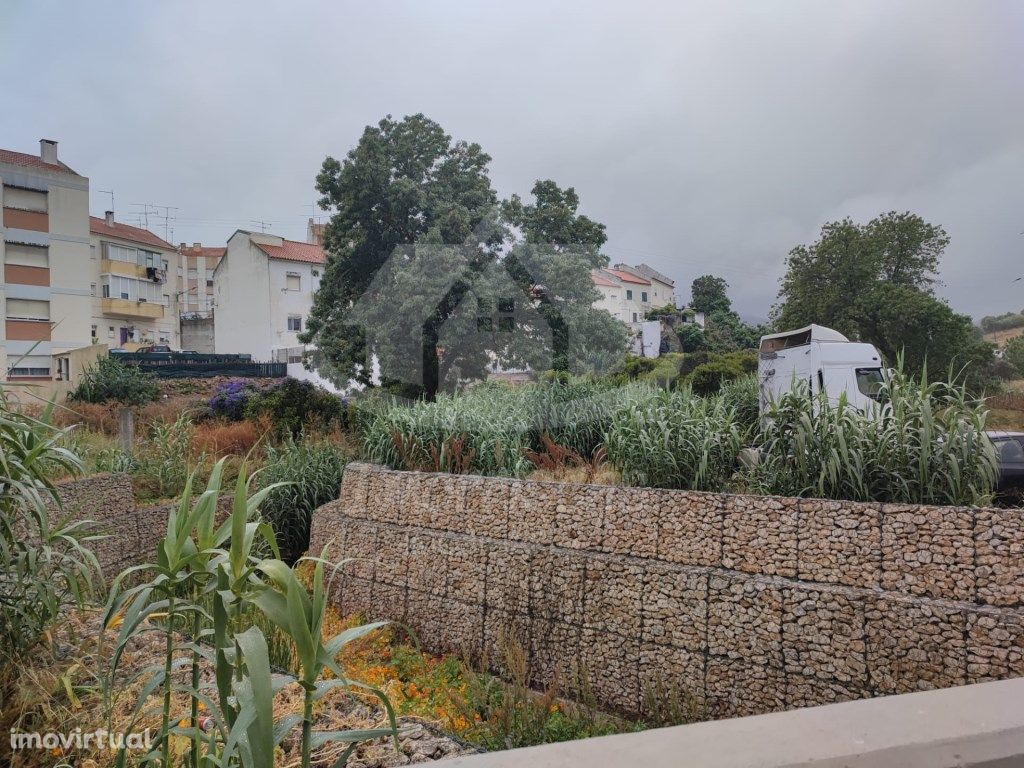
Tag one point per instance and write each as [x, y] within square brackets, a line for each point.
[230, 398]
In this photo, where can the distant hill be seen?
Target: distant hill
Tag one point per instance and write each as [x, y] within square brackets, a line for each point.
[1000, 338]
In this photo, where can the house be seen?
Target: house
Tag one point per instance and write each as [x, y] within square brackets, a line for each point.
[133, 301]
[628, 293]
[263, 292]
[45, 262]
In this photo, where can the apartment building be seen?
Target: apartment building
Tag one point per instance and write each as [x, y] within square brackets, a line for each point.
[45, 265]
[194, 278]
[263, 292]
[628, 293]
[133, 301]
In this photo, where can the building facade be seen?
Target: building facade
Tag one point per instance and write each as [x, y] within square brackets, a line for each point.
[628, 293]
[45, 262]
[134, 303]
[263, 293]
[193, 279]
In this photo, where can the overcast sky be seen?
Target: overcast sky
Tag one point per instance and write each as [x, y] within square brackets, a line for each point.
[708, 137]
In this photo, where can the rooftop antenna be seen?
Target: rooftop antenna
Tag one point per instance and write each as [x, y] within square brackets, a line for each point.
[168, 217]
[144, 213]
[108, 192]
[262, 224]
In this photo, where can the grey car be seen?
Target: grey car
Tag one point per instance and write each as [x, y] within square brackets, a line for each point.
[1010, 450]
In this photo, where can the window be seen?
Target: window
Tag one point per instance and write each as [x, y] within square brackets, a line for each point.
[27, 255]
[209, 283]
[506, 305]
[28, 309]
[295, 323]
[193, 273]
[1010, 451]
[110, 331]
[643, 296]
[167, 300]
[25, 199]
[869, 381]
[93, 335]
[629, 296]
[634, 317]
[165, 335]
[92, 289]
[130, 289]
[293, 281]
[35, 366]
[316, 273]
[294, 358]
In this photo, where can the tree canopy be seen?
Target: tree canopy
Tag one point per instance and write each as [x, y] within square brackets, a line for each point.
[874, 282]
[433, 279]
[709, 294]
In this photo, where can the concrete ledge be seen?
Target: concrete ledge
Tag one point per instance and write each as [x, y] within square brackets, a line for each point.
[974, 725]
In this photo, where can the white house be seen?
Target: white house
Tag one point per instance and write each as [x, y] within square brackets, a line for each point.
[263, 292]
[628, 293]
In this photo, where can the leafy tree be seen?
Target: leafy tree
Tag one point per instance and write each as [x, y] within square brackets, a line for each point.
[431, 278]
[725, 332]
[825, 280]
[1014, 354]
[110, 380]
[691, 337]
[874, 282]
[708, 294]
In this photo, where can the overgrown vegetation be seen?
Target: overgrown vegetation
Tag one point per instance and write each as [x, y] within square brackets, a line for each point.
[45, 560]
[109, 380]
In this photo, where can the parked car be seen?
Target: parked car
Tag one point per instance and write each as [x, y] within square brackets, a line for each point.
[1010, 449]
[159, 348]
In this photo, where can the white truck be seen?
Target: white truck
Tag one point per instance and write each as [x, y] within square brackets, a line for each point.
[825, 359]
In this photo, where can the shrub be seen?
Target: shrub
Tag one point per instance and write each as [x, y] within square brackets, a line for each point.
[691, 337]
[230, 399]
[675, 440]
[311, 471]
[742, 396]
[1014, 354]
[707, 379]
[110, 380]
[45, 562]
[922, 444]
[163, 462]
[292, 404]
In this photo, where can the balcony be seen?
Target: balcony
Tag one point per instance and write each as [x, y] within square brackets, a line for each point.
[122, 268]
[135, 310]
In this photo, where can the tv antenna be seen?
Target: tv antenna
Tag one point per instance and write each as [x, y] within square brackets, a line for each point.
[108, 192]
[262, 224]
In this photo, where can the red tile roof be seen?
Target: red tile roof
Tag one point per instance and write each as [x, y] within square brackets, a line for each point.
[602, 280]
[292, 250]
[32, 161]
[204, 251]
[627, 277]
[99, 226]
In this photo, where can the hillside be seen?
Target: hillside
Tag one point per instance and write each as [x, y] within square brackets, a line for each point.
[1002, 336]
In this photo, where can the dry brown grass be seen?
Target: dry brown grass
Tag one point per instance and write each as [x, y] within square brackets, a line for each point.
[999, 338]
[105, 418]
[229, 438]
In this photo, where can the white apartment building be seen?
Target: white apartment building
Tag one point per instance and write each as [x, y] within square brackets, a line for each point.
[628, 293]
[134, 303]
[263, 293]
[45, 265]
[194, 278]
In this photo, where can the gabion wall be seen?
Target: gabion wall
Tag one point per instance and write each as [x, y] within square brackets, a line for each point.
[732, 605]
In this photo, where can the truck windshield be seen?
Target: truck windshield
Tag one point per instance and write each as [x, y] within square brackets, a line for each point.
[869, 381]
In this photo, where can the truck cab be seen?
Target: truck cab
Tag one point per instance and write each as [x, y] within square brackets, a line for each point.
[823, 358]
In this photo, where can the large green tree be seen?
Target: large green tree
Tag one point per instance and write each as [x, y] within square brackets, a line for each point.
[431, 278]
[709, 294]
[874, 282]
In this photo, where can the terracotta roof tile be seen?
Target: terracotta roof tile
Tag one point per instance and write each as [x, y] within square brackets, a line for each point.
[602, 280]
[626, 277]
[99, 226]
[32, 161]
[205, 251]
[292, 250]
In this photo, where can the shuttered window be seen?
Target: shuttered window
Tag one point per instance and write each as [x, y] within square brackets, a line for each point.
[26, 255]
[28, 309]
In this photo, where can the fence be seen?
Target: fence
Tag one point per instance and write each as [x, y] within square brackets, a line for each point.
[174, 365]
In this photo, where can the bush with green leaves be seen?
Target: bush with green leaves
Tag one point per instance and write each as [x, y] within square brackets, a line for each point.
[1014, 354]
[109, 380]
[292, 405]
[675, 440]
[204, 578]
[45, 560]
[305, 475]
[923, 443]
